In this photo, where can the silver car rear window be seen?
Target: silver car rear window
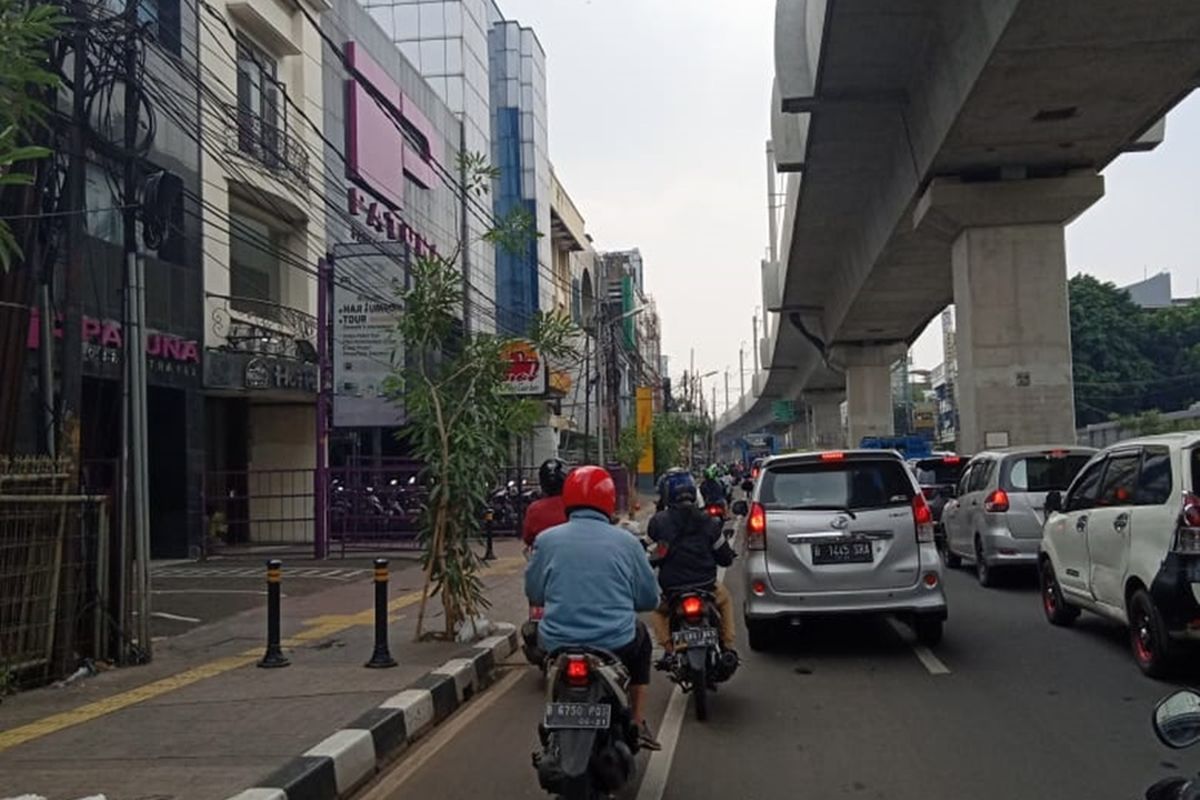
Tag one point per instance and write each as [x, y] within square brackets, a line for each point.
[836, 485]
[1042, 473]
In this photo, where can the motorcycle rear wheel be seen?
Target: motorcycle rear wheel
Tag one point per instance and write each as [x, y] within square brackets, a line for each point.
[579, 788]
[700, 690]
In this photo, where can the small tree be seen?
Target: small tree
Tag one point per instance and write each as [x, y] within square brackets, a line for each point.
[459, 419]
[25, 32]
[630, 449]
[670, 438]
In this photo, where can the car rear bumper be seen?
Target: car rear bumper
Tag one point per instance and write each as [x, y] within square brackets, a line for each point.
[1001, 549]
[917, 599]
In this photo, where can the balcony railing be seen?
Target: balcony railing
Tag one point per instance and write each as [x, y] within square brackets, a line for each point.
[263, 327]
[268, 142]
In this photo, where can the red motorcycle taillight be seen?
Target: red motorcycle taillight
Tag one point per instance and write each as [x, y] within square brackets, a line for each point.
[714, 510]
[692, 607]
[578, 672]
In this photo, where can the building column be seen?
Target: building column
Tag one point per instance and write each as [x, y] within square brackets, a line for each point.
[827, 433]
[869, 388]
[1008, 259]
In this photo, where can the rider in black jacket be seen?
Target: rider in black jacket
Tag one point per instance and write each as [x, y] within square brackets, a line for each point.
[690, 547]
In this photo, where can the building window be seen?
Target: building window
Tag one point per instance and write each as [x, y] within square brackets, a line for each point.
[255, 267]
[162, 19]
[261, 130]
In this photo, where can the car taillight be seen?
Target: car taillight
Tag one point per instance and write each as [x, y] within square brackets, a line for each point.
[997, 501]
[923, 517]
[714, 510]
[754, 473]
[578, 672]
[1187, 536]
[692, 607]
[833, 456]
[756, 528]
[951, 459]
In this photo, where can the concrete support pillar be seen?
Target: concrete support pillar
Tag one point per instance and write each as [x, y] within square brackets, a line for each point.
[869, 389]
[1010, 295]
[827, 433]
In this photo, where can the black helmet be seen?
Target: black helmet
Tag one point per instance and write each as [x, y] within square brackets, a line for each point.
[551, 475]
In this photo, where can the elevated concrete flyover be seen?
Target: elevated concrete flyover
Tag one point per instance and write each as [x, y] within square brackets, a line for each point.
[937, 149]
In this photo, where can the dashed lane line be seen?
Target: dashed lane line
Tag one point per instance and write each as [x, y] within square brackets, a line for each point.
[932, 663]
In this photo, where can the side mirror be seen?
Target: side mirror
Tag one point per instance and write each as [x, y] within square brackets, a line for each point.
[740, 508]
[1054, 502]
[1177, 719]
[747, 485]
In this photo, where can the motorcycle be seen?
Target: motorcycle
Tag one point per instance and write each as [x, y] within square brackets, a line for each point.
[697, 662]
[1177, 723]
[587, 734]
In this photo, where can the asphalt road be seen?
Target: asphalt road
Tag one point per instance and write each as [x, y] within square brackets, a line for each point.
[1007, 707]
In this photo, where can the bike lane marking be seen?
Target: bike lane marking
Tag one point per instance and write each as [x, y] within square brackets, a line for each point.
[654, 782]
[315, 629]
[932, 663]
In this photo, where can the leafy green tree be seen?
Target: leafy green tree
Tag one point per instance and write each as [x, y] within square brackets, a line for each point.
[460, 423]
[629, 451]
[26, 29]
[670, 438]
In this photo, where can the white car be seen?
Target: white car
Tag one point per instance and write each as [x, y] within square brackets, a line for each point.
[1124, 542]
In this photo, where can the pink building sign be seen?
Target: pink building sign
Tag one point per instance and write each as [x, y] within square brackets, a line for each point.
[378, 156]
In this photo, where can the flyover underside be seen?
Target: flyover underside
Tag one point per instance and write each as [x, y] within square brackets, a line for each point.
[981, 91]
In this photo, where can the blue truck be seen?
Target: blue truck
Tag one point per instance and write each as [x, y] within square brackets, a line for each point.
[908, 446]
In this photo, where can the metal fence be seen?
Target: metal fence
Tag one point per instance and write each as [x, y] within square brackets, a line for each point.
[56, 602]
[263, 507]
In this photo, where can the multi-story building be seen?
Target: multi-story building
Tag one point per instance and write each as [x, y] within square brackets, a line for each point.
[631, 338]
[264, 231]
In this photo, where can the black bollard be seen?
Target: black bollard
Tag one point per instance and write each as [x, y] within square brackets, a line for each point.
[488, 520]
[382, 657]
[274, 656]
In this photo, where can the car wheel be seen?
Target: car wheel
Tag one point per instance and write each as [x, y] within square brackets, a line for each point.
[952, 561]
[928, 630]
[1053, 605]
[1148, 635]
[985, 574]
[758, 631]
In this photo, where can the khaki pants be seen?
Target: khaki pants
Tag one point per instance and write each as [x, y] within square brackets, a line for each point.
[660, 620]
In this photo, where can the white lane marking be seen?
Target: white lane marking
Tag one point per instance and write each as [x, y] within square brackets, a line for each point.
[389, 782]
[654, 783]
[923, 653]
[213, 591]
[176, 617]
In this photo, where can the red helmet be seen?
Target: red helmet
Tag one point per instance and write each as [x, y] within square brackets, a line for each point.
[590, 487]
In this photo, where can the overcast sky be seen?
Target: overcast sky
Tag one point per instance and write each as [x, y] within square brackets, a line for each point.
[658, 120]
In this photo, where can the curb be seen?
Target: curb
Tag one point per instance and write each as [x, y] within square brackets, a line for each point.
[344, 761]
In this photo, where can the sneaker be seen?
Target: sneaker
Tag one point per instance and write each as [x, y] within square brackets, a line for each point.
[665, 663]
[646, 739]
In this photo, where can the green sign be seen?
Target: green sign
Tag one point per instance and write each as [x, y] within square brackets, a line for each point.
[783, 411]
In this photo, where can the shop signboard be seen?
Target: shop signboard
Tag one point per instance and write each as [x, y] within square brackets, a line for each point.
[525, 370]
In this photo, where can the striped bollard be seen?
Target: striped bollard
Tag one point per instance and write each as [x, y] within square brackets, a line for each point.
[382, 657]
[274, 656]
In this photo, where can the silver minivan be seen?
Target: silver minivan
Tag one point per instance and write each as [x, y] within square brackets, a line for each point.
[996, 519]
[840, 533]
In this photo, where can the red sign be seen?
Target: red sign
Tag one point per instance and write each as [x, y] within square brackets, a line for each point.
[107, 333]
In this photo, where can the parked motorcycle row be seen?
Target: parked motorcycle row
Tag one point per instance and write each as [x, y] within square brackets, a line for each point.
[392, 504]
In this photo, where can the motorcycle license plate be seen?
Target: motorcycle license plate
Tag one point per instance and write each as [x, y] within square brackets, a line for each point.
[856, 552]
[695, 637]
[577, 716]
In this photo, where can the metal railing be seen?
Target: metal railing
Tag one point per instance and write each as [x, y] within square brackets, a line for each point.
[268, 142]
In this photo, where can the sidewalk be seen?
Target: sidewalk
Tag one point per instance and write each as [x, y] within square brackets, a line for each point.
[203, 723]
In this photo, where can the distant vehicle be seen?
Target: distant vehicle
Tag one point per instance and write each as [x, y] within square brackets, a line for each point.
[907, 446]
[757, 446]
[1124, 542]
[840, 533]
[938, 477]
[996, 518]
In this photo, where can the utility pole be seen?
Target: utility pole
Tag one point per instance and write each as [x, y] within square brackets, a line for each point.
[465, 232]
[754, 344]
[72, 347]
[727, 390]
[772, 221]
[601, 380]
[587, 396]
[325, 267]
[742, 368]
[135, 340]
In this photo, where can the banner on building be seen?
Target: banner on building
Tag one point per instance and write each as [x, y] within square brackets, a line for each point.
[783, 411]
[366, 347]
[645, 424]
[525, 370]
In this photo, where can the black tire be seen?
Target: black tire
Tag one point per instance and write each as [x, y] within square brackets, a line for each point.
[928, 630]
[985, 574]
[578, 788]
[1148, 637]
[700, 691]
[758, 631]
[1056, 609]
